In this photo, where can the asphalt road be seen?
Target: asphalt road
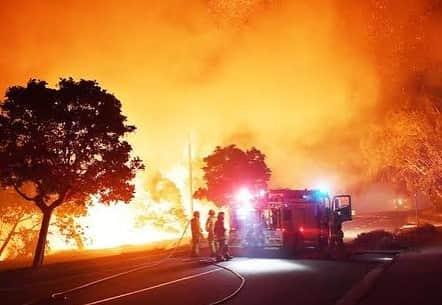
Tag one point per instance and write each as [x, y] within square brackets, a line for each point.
[180, 280]
[276, 280]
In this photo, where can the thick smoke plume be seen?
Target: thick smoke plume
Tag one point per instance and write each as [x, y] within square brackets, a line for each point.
[301, 80]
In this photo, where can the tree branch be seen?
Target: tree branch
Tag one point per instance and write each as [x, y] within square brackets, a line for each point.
[60, 200]
[35, 226]
[23, 194]
[41, 204]
[24, 218]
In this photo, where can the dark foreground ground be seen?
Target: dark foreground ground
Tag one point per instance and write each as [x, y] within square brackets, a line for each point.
[415, 277]
[145, 277]
[270, 279]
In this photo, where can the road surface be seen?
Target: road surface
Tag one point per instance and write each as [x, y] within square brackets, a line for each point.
[181, 280]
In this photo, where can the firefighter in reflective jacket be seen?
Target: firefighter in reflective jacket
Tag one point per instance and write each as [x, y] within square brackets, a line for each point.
[210, 229]
[221, 239]
[197, 233]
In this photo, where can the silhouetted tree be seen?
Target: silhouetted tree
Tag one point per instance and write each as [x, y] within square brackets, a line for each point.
[229, 168]
[15, 212]
[67, 143]
[19, 222]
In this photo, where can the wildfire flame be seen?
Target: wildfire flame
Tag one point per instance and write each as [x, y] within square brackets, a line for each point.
[159, 211]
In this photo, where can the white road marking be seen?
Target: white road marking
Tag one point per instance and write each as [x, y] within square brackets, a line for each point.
[135, 268]
[123, 295]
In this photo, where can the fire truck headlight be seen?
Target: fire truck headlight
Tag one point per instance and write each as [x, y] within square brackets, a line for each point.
[244, 210]
[243, 195]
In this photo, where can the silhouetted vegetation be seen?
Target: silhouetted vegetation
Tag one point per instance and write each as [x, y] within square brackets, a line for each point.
[228, 169]
[402, 239]
[62, 145]
[18, 224]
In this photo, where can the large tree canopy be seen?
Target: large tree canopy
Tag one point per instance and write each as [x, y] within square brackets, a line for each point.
[229, 168]
[406, 151]
[67, 143]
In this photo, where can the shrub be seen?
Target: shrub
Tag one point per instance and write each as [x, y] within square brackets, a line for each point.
[417, 235]
[375, 240]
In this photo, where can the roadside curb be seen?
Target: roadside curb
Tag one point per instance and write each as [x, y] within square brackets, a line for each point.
[363, 287]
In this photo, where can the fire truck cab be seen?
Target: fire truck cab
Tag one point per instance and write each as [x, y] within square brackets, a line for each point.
[289, 219]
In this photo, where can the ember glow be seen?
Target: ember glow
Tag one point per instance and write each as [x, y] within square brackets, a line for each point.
[301, 80]
[159, 212]
[113, 226]
[119, 224]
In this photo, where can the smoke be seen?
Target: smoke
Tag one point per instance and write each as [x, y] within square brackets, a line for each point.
[300, 80]
[162, 189]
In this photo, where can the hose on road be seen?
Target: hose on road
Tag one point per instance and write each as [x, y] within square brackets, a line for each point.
[139, 267]
[236, 291]
[64, 293]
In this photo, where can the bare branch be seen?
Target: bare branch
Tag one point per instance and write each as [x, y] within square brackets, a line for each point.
[60, 200]
[24, 218]
[23, 194]
[34, 227]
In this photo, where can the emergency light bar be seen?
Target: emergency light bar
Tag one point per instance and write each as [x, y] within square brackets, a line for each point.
[244, 195]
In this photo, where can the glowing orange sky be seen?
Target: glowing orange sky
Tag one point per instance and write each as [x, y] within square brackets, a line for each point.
[298, 79]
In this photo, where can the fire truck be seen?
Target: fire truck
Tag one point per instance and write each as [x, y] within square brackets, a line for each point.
[288, 219]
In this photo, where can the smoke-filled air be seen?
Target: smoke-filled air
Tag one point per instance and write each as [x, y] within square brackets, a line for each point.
[306, 82]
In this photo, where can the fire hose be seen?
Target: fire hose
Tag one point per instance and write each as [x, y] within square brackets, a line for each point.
[64, 293]
[139, 267]
[236, 291]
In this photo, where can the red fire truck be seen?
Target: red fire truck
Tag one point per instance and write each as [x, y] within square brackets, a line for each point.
[289, 219]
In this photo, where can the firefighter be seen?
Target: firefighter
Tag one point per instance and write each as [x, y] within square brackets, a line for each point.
[197, 233]
[210, 229]
[337, 235]
[221, 238]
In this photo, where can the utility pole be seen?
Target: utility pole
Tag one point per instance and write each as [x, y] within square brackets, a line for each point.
[416, 208]
[190, 175]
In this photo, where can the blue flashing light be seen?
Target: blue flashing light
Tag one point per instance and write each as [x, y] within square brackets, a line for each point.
[324, 188]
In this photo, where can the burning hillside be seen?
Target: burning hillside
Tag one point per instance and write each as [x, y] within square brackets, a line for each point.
[305, 81]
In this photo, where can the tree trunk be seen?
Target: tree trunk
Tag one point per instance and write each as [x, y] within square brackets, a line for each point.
[78, 239]
[41, 243]
[8, 238]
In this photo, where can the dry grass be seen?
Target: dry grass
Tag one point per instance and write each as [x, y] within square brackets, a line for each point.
[77, 255]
